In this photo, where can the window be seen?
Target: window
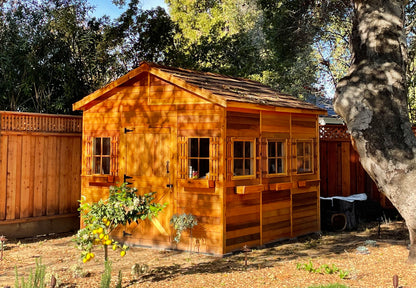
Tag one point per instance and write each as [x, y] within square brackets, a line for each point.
[198, 158]
[276, 157]
[304, 157]
[243, 158]
[101, 155]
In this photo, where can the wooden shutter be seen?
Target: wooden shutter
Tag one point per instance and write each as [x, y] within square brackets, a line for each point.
[213, 157]
[88, 155]
[263, 167]
[114, 158]
[182, 155]
[229, 159]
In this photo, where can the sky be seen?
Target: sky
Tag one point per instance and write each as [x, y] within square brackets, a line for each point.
[106, 7]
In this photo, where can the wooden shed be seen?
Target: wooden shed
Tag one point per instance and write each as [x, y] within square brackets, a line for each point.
[240, 156]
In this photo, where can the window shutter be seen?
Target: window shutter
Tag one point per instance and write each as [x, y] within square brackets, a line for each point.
[182, 153]
[114, 158]
[88, 155]
[263, 157]
[229, 159]
[213, 157]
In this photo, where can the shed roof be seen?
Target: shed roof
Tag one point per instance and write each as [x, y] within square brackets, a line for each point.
[220, 89]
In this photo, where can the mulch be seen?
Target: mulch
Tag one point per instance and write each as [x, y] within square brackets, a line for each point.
[373, 264]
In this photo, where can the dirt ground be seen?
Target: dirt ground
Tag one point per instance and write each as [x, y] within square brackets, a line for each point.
[373, 264]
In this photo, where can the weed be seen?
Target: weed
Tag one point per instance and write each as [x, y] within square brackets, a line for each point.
[36, 280]
[106, 277]
[323, 269]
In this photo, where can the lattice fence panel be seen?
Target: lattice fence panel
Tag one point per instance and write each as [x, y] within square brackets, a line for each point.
[334, 133]
[31, 122]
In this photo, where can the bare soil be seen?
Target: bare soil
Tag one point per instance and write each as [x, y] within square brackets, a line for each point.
[274, 266]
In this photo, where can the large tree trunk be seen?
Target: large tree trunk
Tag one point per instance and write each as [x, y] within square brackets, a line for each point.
[372, 100]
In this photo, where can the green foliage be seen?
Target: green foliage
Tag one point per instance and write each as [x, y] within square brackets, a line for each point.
[121, 207]
[330, 286]
[106, 277]
[182, 222]
[323, 269]
[119, 280]
[36, 280]
[52, 54]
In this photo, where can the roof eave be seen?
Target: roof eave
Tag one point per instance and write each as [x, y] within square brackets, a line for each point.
[244, 105]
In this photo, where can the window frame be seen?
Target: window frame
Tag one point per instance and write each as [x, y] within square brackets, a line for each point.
[311, 156]
[198, 158]
[101, 156]
[253, 158]
[284, 157]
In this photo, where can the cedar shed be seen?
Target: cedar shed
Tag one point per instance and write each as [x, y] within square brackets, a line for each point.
[238, 155]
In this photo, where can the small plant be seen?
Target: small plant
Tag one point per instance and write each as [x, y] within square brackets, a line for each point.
[370, 243]
[362, 250]
[323, 269]
[36, 280]
[122, 206]
[78, 271]
[182, 222]
[119, 280]
[106, 277]
[138, 269]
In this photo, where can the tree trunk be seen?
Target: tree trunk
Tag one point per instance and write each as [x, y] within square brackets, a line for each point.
[372, 100]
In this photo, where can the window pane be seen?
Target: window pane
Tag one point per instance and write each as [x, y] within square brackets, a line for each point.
[280, 168]
[248, 167]
[307, 148]
[106, 147]
[299, 166]
[96, 165]
[97, 146]
[272, 149]
[193, 168]
[248, 151]
[272, 166]
[106, 165]
[238, 167]
[238, 148]
[299, 149]
[280, 149]
[203, 168]
[193, 147]
[204, 147]
[307, 165]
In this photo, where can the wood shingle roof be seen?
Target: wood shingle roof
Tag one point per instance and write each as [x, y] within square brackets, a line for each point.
[218, 88]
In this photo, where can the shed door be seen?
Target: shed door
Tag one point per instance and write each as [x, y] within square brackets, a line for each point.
[147, 154]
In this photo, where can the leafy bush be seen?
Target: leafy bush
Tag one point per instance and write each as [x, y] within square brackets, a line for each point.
[182, 222]
[122, 206]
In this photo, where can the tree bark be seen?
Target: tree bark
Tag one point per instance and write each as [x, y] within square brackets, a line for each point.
[372, 100]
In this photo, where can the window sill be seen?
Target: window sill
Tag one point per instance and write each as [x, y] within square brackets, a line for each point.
[197, 183]
[242, 190]
[280, 186]
[100, 180]
[308, 183]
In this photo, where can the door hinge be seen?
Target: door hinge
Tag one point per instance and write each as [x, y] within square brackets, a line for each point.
[126, 130]
[125, 177]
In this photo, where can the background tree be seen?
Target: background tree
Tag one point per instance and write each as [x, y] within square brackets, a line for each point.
[372, 100]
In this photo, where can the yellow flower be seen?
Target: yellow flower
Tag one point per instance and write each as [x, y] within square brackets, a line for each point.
[114, 247]
[122, 253]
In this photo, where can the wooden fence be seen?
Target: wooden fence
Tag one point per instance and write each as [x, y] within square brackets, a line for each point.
[40, 167]
[341, 171]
